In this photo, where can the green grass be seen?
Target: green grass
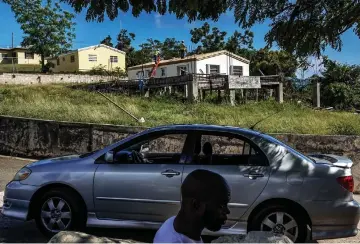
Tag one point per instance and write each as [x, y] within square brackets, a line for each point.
[7, 68]
[61, 102]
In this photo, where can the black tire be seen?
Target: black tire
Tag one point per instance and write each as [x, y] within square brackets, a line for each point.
[256, 222]
[72, 203]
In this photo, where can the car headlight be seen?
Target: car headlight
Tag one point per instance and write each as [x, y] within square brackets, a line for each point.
[22, 174]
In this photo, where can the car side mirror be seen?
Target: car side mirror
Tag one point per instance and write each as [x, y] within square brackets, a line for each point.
[109, 157]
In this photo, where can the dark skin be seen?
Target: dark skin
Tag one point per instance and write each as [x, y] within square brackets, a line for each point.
[206, 209]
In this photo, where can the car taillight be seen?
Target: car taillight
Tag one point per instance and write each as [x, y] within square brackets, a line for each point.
[347, 182]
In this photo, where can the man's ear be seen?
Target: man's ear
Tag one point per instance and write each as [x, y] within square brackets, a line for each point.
[199, 207]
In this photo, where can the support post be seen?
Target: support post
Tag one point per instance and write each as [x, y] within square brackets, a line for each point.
[316, 94]
[203, 95]
[280, 93]
[147, 93]
[186, 94]
[270, 93]
[193, 92]
[257, 95]
[232, 97]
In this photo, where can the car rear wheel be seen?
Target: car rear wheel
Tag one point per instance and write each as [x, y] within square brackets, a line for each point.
[280, 220]
[59, 210]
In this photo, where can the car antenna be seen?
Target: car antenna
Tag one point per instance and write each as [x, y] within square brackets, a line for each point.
[258, 122]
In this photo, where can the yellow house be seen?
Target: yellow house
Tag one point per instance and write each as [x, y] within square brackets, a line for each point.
[19, 55]
[84, 59]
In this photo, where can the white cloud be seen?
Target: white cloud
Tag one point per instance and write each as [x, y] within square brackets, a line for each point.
[158, 22]
[316, 66]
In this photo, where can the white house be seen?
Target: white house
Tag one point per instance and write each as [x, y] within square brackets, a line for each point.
[221, 62]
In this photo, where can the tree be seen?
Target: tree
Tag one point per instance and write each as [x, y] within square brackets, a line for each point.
[48, 30]
[301, 27]
[107, 41]
[124, 40]
[273, 63]
[212, 40]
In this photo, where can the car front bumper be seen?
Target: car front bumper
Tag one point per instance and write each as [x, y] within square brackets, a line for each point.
[16, 200]
[334, 219]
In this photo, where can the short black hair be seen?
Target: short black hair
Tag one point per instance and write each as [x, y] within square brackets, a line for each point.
[204, 185]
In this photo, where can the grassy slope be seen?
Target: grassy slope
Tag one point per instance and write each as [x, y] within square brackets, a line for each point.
[58, 102]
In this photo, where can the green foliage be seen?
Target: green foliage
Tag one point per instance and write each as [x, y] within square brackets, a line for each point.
[124, 40]
[212, 40]
[107, 41]
[341, 85]
[48, 30]
[302, 27]
[273, 63]
[98, 70]
[61, 102]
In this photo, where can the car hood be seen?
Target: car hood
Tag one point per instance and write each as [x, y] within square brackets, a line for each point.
[334, 160]
[53, 160]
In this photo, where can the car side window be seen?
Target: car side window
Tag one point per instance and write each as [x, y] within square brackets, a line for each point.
[165, 149]
[226, 149]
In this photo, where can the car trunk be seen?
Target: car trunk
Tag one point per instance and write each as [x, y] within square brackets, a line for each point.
[334, 160]
[340, 170]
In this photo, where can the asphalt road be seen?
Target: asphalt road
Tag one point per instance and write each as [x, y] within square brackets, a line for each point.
[18, 231]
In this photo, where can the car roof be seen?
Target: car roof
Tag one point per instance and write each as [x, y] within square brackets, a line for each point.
[219, 128]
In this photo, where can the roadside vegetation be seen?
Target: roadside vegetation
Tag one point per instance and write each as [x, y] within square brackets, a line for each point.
[63, 103]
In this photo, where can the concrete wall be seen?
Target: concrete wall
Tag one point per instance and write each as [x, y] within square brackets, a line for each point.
[27, 79]
[43, 138]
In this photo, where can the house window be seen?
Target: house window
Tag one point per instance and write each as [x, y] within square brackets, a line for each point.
[140, 74]
[236, 70]
[182, 70]
[113, 59]
[58, 61]
[72, 58]
[163, 72]
[29, 55]
[214, 69]
[92, 57]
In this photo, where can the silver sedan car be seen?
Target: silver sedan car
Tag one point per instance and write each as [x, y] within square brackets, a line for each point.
[135, 183]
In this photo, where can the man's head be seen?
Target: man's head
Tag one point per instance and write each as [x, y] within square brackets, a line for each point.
[205, 195]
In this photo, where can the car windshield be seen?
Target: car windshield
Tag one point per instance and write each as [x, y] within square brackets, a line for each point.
[88, 154]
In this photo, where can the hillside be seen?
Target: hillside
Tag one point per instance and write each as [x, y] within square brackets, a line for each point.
[61, 102]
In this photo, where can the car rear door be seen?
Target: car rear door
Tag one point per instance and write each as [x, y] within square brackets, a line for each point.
[142, 191]
[239, 161]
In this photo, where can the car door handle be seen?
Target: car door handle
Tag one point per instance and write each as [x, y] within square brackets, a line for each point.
[253, 176]
[170, 173]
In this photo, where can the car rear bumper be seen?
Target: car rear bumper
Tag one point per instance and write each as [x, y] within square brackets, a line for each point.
[332, 232]
[16, 200]
[333, 219]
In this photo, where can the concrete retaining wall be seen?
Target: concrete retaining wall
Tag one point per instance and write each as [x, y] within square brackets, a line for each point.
[28, 79]
[44, 138]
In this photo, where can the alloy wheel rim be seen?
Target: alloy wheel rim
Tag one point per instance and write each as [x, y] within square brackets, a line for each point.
[56, 214]
[281, 223]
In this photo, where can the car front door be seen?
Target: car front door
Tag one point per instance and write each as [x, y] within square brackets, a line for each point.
[147, 190]
[238, 160]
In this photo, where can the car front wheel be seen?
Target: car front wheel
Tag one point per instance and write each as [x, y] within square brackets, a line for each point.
[280, 220]
[59, 210]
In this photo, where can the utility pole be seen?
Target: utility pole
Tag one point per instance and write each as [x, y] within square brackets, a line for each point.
[12, 52]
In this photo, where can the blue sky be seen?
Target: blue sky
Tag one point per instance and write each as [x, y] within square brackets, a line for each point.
[159, 27]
